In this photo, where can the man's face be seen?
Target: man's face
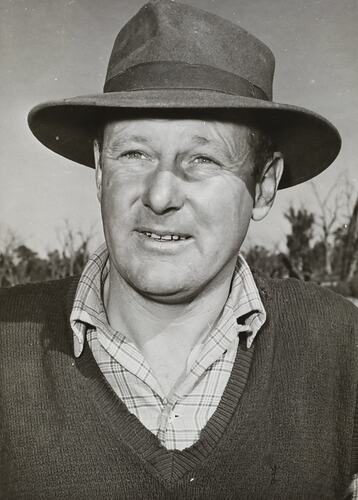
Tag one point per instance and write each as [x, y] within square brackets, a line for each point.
[176, 196]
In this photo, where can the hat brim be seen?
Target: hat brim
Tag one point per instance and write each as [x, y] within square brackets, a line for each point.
[308, 142]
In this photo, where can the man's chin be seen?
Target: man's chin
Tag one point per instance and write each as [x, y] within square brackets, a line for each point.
[165, 289]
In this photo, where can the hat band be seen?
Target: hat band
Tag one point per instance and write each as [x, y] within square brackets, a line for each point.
[178, 75]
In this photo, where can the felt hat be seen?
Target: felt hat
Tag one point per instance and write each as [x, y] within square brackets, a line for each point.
[172, 56]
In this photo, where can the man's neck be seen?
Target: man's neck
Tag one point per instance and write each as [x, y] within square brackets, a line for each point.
[165, 333]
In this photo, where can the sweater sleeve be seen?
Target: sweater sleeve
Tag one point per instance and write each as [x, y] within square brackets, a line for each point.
[354, 458]
[354, 461]
[352, 493]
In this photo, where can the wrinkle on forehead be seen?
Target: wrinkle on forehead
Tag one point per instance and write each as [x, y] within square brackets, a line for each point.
[218, 130]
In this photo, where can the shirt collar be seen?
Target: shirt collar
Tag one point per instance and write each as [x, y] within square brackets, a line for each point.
[88, 309]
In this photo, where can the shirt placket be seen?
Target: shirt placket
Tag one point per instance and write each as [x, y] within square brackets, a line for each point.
[165, 419]
[210, 352]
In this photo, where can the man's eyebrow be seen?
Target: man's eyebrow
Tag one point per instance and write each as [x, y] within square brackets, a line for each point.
[221, 150]
[121, 138]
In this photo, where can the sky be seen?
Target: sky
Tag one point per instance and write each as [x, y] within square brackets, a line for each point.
[50, 49]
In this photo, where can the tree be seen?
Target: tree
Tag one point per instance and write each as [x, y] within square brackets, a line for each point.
[269, 263]
[9, 242]
[20, 264]
[73, 255]
[299, 243]
[334, 210]
[350, 248]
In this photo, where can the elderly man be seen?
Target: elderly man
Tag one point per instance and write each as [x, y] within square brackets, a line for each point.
[167, 370]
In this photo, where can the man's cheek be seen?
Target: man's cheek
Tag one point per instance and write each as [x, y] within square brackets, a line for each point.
[113, 198]
[115, 218]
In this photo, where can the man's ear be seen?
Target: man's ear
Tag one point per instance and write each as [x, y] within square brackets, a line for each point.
[266, 187]
[97, 159]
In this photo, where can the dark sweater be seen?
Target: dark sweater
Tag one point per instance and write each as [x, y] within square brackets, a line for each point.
[283, 429]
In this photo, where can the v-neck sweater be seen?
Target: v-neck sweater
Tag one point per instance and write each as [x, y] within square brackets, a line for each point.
[284, 427]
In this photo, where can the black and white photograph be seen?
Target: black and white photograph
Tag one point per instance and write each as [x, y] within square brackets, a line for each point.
[179, 250]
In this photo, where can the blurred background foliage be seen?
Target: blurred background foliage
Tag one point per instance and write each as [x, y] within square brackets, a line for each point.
[19, 264]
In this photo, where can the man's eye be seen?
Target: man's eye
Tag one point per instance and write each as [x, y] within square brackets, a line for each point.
[204, 160]
[134, 155]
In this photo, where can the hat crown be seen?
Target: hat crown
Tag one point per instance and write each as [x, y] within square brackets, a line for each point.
[171, 33]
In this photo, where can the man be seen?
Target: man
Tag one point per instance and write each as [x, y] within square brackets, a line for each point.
[167, 370]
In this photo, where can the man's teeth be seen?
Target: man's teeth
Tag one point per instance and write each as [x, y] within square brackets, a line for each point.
[164, 237]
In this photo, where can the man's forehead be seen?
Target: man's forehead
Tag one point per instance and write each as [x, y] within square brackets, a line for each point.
[200, 131]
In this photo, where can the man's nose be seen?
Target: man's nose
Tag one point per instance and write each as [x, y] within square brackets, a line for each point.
[163, 191]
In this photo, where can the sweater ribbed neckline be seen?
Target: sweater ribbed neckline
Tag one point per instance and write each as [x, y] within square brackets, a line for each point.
[168, 465]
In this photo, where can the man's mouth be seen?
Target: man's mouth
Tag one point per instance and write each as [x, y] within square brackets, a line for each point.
[165, 237]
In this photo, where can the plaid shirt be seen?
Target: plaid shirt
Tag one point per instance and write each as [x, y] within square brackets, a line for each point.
[176, 419]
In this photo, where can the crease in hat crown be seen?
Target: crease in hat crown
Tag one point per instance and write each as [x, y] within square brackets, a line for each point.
[166, 33]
